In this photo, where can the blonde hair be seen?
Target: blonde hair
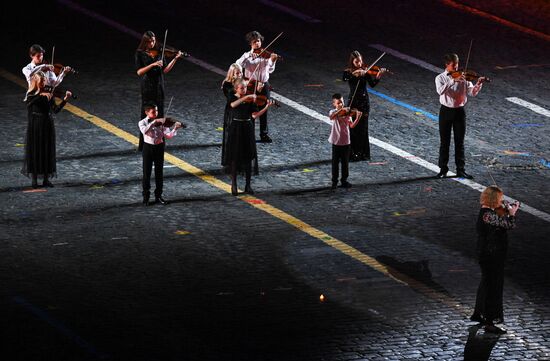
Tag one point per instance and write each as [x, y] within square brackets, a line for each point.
[491, 197]
[231, 73]
[34, 84]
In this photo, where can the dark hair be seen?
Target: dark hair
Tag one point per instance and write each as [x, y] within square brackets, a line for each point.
[450, 58]
[354, 55]
[145, 39]
[336, 96]
[253, 35]
[36, 49]
[149, 106]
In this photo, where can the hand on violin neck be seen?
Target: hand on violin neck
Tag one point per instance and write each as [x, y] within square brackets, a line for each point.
[273, 57]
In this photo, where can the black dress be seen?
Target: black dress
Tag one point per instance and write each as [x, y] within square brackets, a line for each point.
[492, 246]
[360, 145]
[152, 85]
[40, 140]
[240, 144]
[227, 90]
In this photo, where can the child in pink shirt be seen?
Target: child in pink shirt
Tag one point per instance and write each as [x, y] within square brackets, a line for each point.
[342, 120]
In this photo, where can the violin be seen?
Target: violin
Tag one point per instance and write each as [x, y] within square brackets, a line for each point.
[503, 210]
[374, 70]
[58, 68]
[169, 121]
[342, 112]
[469, 75]
[169, 52]
[266, 54]
[261, 100]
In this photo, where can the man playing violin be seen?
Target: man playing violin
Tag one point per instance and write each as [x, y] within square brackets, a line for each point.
[453, 94]
[257, 68]
[36, 53]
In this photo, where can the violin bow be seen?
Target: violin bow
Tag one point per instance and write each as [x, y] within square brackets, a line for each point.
[357, 86]
[164, 46]
[468, 57]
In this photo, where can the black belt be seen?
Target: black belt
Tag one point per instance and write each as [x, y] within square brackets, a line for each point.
[241, 120]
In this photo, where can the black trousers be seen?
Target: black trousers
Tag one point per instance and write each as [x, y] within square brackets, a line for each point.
[452, 119]
[153, 154]
[489, 293]
[340, 154]
[263, 119]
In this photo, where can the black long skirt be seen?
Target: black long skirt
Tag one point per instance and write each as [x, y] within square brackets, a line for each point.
[40, 146]
[489, 294]
[240, 144]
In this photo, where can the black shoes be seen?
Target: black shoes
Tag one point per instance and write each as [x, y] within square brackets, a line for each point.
[345, 184]
[463, 174]
[264, 138]
[161, 201]
[146, 201]
[494, 329]
[476, 318]
[334, 184]
[441, 174]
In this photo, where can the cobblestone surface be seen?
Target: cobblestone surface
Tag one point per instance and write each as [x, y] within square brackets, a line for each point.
[88, 273]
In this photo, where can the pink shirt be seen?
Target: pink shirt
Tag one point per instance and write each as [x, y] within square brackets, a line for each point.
[339, 134]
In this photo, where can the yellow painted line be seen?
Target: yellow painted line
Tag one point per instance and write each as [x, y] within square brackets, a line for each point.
[267, 208]
[497, 19]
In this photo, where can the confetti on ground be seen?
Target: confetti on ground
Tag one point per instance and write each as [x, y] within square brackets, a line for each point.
[314, 85]
[253, 201]
[307, 170]
[60, 244]
[39, 190]
[377, 163]
[182, 232]
[428, 189]
[511, 152]
[219, 129]
[19, 144]
[418, 113]
[412, 212]
[96, 186]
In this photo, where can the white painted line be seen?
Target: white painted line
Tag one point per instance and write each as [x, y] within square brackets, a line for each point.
[386, 146]
[290, 11]
[533, 107]
[410, 59]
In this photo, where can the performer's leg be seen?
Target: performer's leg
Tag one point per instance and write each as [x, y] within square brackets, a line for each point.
[445, 126]
[234, 177]
[335, 161]
[345, 153]
[248, 172]
[158, 158]
[147, 167]
[459, 130]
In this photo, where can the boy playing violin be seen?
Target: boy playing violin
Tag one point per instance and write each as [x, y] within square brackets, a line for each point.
[257, 69]
[154, 132]
[342, 120]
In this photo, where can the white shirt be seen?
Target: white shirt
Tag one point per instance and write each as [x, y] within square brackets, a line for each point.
[453, 94]
[51, 79]
[155, 134]
[339, 133]
[258, 68]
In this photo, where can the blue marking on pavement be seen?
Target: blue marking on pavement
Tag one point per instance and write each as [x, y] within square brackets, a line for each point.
[527, 125]
[44, 316]
[405, 105]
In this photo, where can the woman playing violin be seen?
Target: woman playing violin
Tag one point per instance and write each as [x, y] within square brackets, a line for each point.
[151, 68]
[492, 246]
[40, 160]
[241, 142]
[235, 72]
[453, 93]
[358, 78]
[258, 68]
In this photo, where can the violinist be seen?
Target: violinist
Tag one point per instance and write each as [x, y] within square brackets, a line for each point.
[234, 72]
[40, 159]
[492, 246]
[154, 130]
[151, 68]
[257, 68]
[36, 53]
[241, 143]
[453, 94]
[342, 120]
[358, 78]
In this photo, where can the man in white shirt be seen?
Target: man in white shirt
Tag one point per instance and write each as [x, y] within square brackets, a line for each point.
[257, 67]
[453, 90]
[36, 52]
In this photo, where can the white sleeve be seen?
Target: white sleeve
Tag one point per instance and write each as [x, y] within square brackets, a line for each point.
[442, 83]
